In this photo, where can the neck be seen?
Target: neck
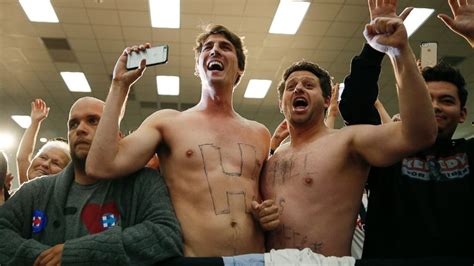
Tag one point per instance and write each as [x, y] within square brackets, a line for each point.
[302, 134]
[217, 98]
[80, 175]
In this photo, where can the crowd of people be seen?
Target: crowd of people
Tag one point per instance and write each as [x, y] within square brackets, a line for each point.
[227, 192]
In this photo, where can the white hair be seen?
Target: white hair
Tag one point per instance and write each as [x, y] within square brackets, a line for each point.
[57, 144]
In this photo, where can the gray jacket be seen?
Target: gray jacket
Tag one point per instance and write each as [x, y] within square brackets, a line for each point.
[146, 232]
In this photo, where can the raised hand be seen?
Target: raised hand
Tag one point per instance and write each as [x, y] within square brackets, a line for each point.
[387, 35]
[381, 8]
[39, 110]
[280, 134]
[125, 78]
[8, 181]
[267, 213]
[463, 22]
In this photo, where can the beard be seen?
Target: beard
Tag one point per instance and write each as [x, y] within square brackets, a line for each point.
[79, 160]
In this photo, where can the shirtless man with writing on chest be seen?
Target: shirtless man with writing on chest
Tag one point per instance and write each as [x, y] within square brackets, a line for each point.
[317, 179]
[210, 156]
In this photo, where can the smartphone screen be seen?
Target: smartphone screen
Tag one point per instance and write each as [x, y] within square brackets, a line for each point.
[429, 54]
[154, 56]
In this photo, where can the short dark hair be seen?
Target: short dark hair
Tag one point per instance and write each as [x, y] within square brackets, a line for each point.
[445, 72]
[3, 168]
[303, 65]
[237, 41]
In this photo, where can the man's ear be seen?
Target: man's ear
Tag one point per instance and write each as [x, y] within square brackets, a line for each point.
[463, 116]
[327, 102]
[279, 106]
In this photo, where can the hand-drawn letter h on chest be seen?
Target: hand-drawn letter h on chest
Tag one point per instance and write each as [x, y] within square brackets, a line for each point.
[224, 183]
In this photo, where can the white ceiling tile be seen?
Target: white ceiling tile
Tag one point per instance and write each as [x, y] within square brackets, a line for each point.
[278, 40]
[132, 5]
[256, 24]
[72, 15]
[229, 7]
[83, 45]
[342, 29]
[188, 36]
[324, 56]
[49, 30]
[13, 12]
[89, 57]
[321, 11]
[108, 32]
[332, 43]
[103, 17]
[311, 27]
[67, 3]
[137, 33]
[196, 6]
[94, 69]
[78, 31]
[231, 22]
[100, 4]
[305, 42]
[111, 46]
[195, 21]
[165, 35]
[353, 13]
[261, 8]
[135, 18]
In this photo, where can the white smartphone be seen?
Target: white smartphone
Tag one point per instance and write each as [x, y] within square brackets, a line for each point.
[154, 56]
[429, 54]
[341, 89]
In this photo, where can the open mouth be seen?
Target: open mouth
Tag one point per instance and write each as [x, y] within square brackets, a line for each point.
[300, 103]
[215, 65]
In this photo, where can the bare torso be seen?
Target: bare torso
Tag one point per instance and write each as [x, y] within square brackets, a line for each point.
[212, 165]
[318, 187]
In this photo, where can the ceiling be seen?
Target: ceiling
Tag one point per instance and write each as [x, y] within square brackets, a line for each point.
[98, 30]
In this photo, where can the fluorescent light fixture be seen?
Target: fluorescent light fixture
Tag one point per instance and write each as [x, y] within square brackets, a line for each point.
[23, 121]
[43, 140]
[76, 81]
[288, 17]
[167, 85]
[417, 17]
[164, 13]
[257, 88]
[39, 11]
[6, 141]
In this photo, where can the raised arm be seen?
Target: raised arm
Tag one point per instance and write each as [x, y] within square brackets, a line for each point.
[386, 144]
[39, 111]
[384, 116]
[280, 134]
[110, 157]
[361, 85]
[463, 21]
[333, 109]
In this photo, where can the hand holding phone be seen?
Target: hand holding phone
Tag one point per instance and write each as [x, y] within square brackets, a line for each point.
[154, 56]
[429, 54]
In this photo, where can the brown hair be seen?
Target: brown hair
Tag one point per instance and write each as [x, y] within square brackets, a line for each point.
[230, 36]
[322, 74]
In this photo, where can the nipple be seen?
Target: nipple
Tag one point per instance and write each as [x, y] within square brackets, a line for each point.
[308, 180]
[189, 153]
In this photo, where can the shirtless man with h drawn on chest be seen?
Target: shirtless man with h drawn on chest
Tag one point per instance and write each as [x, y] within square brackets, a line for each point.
[210, 156]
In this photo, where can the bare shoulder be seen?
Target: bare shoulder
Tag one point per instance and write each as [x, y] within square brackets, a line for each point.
[161, 116]
[258, 127]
